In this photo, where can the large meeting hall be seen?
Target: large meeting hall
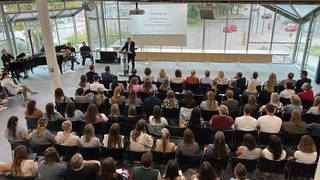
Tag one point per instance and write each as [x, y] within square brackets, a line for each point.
[159, 89]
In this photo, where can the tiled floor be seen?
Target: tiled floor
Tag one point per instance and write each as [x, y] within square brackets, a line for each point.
[39, 81]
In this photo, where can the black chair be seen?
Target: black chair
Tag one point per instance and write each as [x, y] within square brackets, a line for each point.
[54, 126]
[148, 111]
[207, 115]
[199, 98]
[264, 137]
[234, 114]
[295, 169]
[310, 118]
[106, 83]
[286, 117]
[285, 101]
[228, 134]
[269, 166]
[32, 123]
[290, 139]
[222, 88]
[77, 127]
[39, 149]
[14, 144]
[66, 151]
[101, 128]
[172, 115]
[175, 132]
[202, 88]
[219, 164]
[307, 104]
[133, 156]
[189, 161]
[116, 154]
[142, 95]
[89, 153]
[24, 178]
[192, 87]
[202, 135]
[176, 87]
[258, 88]
[82, 106]
[162, 158]
[124, 82]
[250, 164]
[238, 136]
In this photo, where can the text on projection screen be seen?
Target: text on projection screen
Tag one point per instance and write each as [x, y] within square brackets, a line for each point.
[161, 25]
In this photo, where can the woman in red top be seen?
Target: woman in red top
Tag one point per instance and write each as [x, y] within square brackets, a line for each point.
[222, 121]
[307, 93]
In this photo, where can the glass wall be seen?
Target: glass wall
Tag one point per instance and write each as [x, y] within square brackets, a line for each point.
[313, 55]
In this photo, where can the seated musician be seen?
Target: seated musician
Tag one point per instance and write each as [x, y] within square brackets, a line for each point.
[86, 52]
[69, 53]
[6, 60]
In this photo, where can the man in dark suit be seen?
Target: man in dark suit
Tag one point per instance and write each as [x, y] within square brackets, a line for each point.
[129, 47]
[86, 52]
[6, 60]
[300, 82]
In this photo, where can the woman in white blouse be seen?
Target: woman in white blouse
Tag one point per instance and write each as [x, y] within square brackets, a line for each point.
[315, 109]
[307, 151]
[274, 151]
[139, 139]
[156, 118]
[89, 139]
[21, 165]
[113, 140]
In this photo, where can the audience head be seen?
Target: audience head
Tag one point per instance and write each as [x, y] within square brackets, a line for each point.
[252, 100]
[147, 71]
[108, 169]
[165, 137]
[140, 128]
[147, 85]
[42, 124]
[296, 118]
[178, 73]
[107, 68]
[157, 113]
[295, 100]
[220, 74]
[288, 85]
[268, 86]
[239, 74]
[95, 78]
[195, 117]
[172, 169]
[114, 110]
[114, 138]
[84, 43]
[31, 107]
[67, 126]
[290, 75]
[4, 51]
[306, 144]
[51, 156]
[207, 73]
[273, 78]
[240, 172]
[12, 126]
[188, 137]
[50, 110]
[219, 149]
[58, 94]
[19, 155]
[165, 84]
[83, 81]
[170, 94]
[252, 86]
[306, 86]
[91, 67]
[70, 109]
[303, 74]
[162, 73]
[249, 141]
[4, 75]
[223, 110]
[274, 98]
[147, 159]
[134, 81]
[214, 84]
[275, 146]
[132, 111]
[76, 161]
[255, 75]
[232, 83]
[91, 114]
[247, 109]
[207, 172]
[317, 102]
[270, 109]
[88, 132]
[229, 94]
[193, 72]
[134, 71]
[151, 92]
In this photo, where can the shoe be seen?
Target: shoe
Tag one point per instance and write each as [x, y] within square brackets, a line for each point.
[3, 108]
[34, 93]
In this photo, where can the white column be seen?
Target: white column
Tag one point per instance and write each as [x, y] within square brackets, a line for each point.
[44, 19]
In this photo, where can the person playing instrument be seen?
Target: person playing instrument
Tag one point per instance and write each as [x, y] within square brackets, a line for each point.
[69, 54]
[85, 52]
[129, 47]
[6, 60]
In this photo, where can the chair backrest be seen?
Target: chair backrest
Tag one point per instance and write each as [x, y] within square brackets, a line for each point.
[238, 136]
[175, 132]
[32, 123]
[116, 154]
[23, 178]
[148, 110]
[307, 104]
[228, 134]
[285, 101]
[192, 87]
[291, 139]
[14, 144]
[250, 164]
[264, 137]
[77, 127]
[202, 135]
[132, 156]
[199, 98]
[142, 95]
[222, 88]
[270, 166]
[101, 128]
[219, 164]
[296, 169]
[66, 151]
[207, 115]
[162, 158]
[39, 148]
[171, 114]
[82, 106]
[189, 161]
[105, 83]
[89, 153]
[176, 87]
[54, 126]
[310, 118]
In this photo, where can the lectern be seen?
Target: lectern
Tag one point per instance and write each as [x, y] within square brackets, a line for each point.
[124, 60]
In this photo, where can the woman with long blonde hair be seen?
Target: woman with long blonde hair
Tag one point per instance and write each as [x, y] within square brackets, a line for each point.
[315, 109]
[296, 125]
[274, 100]
[210, 104]
[170, 101]
[117, 98]
[113, 139]
[307, 150]
[89, 139]
[162, 76]
[221, 79]
[115, 115]
[273, 79]
[251, 89]
[21, 164]
[163, 144]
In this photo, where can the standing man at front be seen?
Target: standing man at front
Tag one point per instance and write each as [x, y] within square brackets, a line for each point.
[129, 47]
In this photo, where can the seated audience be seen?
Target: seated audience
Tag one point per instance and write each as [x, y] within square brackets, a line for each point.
[152, 100]
[134, 74]
[162, 76]
[177, 78]
[254, 78]
[89, 140]
[206, 79]
[156, 118]
[163, 144]
[188, 101]
[15, 132]
[115, 83]
[314, 129]
[65, 137]
[269, 123]
[195, 120]
[241, 81]
[21, 165]
[59, 97]
[146, 171]
[296, 125]
[249, 148]
[133, 100]
[92, 115]
[307, 93]
[84, 83]
[80, 97]
[288, 91]
[303, 79]
[275, 101]
[148, 75]
[82, 169]
[132, 117]
[265, 93]
[231, 103]
[188, 146]
[115, 116]
[14, 89]
[50, 114]
[106, 76]
[315, 109]
[290, 79]
[32, 112]
[192, 79]
[306, 150]
[222, 121]
[240, 172]
[51, 168]
[147, 85]
[274, 151]
[73, 114]
[139, 140]
[108, 170]
[172, 171]
[251, 89]
[113, 140]
[295, 105]
[252, 102]
[246, 122]
[232, 85]
[165, 86]
[207, 172]
[41, 135]
[210, 104]
[91, 73]
[214, 86]
[101, 101]
[170, 101]
[134, 85]
[272, 78]
[95, 85]
[221, 79]
[219, 149]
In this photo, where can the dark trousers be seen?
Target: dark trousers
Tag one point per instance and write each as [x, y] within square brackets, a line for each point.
[131, 58]
[73, 60]
[85, 57]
